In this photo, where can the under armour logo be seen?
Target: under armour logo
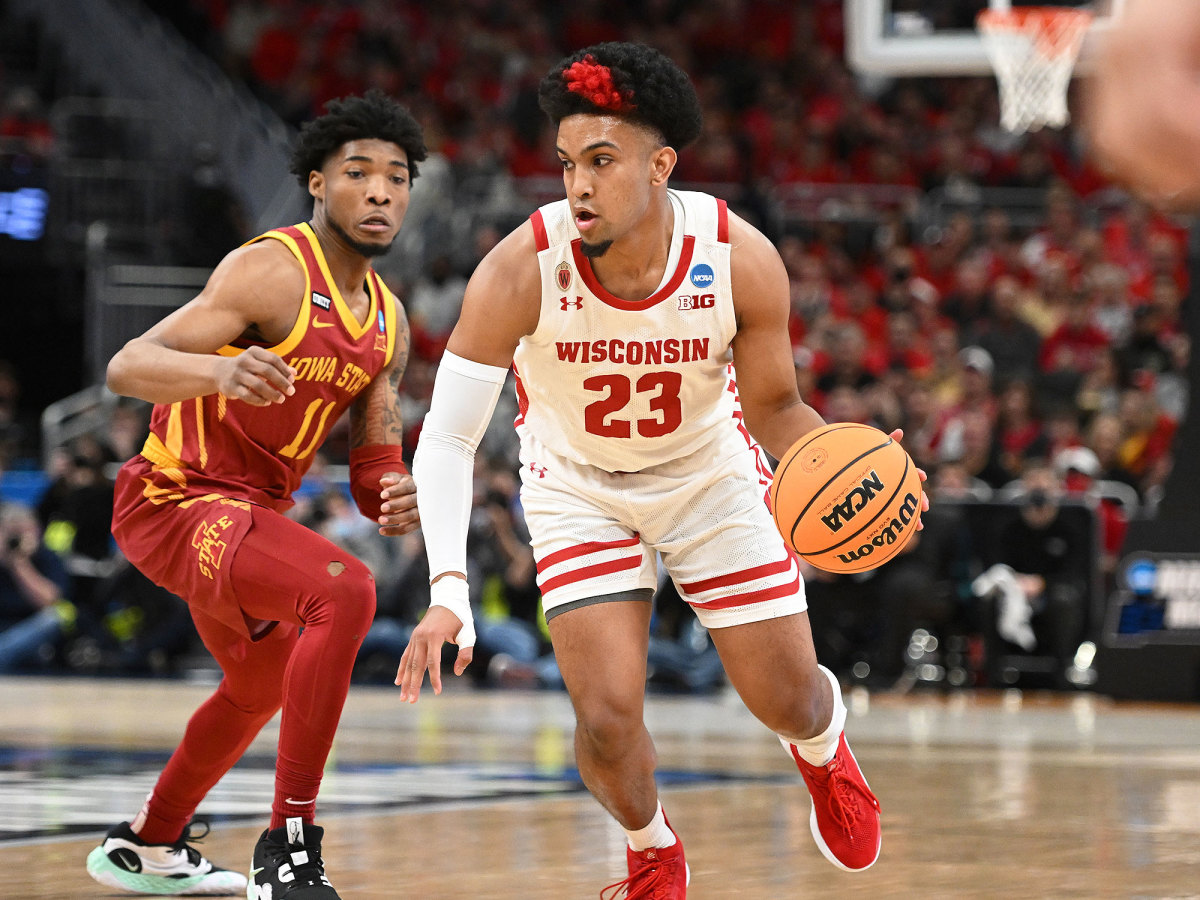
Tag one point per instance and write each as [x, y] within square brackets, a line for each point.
[565, 303]
[539, 471]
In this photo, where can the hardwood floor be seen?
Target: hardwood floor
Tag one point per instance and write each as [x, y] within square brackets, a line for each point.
[473, 795]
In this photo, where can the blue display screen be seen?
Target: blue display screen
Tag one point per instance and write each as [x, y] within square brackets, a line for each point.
[23, 213]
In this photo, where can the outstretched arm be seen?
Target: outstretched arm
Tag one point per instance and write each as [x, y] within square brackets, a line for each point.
[1143, 100]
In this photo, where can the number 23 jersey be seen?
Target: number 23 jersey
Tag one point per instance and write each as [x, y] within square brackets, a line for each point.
[628, 384]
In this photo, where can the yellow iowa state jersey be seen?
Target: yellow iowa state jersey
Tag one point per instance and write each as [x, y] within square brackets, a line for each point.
[220, 445]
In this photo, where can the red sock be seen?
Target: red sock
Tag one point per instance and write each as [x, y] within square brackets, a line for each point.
[315, 689]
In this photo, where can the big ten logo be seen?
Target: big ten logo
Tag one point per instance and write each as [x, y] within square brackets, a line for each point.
[697, 301]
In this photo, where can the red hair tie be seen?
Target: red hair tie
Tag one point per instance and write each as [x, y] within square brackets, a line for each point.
[594, 83]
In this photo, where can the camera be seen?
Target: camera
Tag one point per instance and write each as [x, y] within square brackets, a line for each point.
[1038, 499]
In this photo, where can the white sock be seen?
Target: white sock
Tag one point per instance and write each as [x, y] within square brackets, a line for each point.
[657, 834]
[819, 750]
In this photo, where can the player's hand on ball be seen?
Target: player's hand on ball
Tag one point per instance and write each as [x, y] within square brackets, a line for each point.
[847, 497]
[898, 436]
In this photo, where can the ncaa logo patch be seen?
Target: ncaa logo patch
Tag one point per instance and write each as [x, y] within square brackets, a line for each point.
[563, 275]
[702, 275]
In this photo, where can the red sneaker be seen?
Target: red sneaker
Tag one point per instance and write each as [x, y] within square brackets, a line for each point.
[658, 873]
[845, 814]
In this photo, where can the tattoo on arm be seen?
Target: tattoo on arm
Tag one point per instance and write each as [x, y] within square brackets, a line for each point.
[375, 417]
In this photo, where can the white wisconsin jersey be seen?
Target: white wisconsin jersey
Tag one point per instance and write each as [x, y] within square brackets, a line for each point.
[620, 384]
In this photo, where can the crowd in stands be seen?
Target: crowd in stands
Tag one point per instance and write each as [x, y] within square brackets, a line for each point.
[1037, 354]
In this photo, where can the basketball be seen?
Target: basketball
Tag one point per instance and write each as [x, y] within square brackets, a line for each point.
[846, 498]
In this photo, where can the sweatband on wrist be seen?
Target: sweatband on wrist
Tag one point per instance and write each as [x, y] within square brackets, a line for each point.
[454, 594]
[367, 466]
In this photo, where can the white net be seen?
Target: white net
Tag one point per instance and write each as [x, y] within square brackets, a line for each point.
[1033, 51]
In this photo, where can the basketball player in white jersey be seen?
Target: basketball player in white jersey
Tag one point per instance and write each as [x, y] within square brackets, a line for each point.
[1143, 93]
[625, 310]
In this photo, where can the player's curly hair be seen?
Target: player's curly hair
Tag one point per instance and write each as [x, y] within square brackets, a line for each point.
[630, 80]
[373, 115]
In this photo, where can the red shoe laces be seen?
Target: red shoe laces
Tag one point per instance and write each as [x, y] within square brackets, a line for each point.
[649, 888]
[844, 792]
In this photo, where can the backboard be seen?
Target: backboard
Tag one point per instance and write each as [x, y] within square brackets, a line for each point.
[910, 38]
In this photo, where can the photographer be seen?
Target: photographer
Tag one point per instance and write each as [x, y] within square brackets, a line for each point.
[1042, 557]
[33, 592]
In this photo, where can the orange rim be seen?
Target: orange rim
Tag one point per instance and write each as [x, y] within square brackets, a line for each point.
[1058, 30]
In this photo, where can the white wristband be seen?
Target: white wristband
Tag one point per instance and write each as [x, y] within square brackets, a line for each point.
[453, 593]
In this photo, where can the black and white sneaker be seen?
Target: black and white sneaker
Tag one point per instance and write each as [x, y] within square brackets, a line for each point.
[127, 862]
[287, 864]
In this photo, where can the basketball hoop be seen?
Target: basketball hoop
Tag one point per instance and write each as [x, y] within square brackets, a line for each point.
[1033, 50]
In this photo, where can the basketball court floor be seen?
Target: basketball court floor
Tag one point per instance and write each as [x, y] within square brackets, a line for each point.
[473, 794]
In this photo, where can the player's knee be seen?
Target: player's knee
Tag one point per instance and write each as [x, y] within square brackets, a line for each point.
[346, 600]
[257, 699]
[354, 589]
[608, 730]
[799, 713]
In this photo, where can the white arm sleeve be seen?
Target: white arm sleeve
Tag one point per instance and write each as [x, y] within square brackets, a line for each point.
[464, 397]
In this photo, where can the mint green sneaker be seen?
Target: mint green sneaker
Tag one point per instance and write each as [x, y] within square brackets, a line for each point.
[126, 862]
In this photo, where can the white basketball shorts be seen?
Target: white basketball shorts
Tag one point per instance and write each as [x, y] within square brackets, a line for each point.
[596, 533]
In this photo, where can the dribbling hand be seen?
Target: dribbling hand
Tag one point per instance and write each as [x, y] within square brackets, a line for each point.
[898, 436]
[256, 376]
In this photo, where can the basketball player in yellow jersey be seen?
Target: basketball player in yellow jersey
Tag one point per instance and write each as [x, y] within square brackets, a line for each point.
[627, 307]
[291, 331]
[1143, 100]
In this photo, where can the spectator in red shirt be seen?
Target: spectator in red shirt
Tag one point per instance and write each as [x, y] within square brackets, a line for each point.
[905, 347]
[859, 304]
[1057, 237]
[814, 164]
[24, 122]
[1000, 250]
[1019, 431]
[1075, 346]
